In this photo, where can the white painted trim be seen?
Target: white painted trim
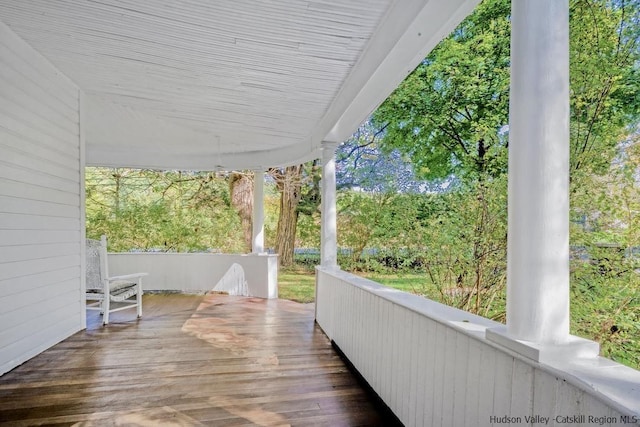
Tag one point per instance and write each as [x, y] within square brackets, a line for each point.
[572, 348]
[83, 213]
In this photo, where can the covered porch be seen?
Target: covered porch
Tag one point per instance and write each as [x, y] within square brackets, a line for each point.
[248, 85]
[192, 360]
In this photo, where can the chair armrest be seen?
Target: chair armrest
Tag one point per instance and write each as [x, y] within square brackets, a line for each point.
[127, 276]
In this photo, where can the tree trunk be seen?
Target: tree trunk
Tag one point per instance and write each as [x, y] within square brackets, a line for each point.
[289, 183]
[241, 190]
[116, 196]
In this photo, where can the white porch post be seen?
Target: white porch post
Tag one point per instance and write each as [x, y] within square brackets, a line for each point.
[538, 195]
[538, 242]
[257, 242]
[329, 236]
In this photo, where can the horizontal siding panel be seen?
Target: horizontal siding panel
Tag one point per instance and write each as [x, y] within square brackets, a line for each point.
[29, 85]
[35, 282]
[36, 162]
[32, 237]
[36, 192]
[36, 207]
[15, 71]
[43, 70]
[40, 203]
[23, 268]
[20, 92]
[31, 252]
[33, 112]
[24, 300]
[16, 128]
[39, 310]
[37, 222]
[62, 323]
[17, 133]
[37, 177]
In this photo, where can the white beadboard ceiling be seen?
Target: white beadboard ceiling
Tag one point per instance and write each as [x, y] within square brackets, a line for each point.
[228, 84]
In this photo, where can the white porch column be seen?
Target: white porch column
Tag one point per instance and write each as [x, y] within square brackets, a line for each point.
[329, 236]
[257, 242]
[538, 239]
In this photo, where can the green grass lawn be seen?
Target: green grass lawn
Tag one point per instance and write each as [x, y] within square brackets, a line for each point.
[414, 283]
[298, 284]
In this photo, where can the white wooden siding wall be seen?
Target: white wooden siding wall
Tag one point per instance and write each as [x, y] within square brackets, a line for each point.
[40, 204]
[432, 373]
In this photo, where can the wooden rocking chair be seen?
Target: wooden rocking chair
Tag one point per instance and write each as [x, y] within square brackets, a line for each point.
[103, 290]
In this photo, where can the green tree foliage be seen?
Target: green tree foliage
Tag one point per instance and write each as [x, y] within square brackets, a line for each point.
[605, 99]
[450, 118]
[384, 221]
[191, 211]
[605, 279]
[431, 233]
[605, 77]
[163, 211]
[448, 113]
[467, 242]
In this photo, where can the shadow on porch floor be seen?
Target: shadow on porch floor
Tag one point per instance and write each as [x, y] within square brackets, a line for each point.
[191, 360]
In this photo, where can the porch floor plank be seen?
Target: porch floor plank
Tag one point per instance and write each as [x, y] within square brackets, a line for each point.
[191, 360]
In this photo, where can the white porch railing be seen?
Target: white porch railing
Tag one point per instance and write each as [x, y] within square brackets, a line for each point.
[201, 272]
[432, 365]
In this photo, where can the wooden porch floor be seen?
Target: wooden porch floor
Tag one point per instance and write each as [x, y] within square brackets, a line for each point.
[191, 360]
